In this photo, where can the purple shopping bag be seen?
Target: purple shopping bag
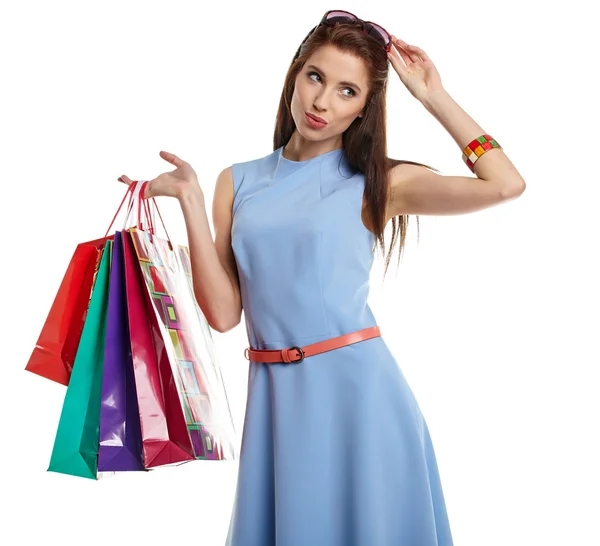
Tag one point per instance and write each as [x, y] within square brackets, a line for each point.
[120, 440]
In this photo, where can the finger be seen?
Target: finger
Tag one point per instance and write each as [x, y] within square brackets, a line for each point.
[420, 52]
[125, 179]
[172, 158]
[412, 54]
[148, 190]
[397, 63]
[402, 54]
[415, 52]
[403, 46]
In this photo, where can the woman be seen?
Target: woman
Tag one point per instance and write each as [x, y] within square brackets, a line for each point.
[335, 450]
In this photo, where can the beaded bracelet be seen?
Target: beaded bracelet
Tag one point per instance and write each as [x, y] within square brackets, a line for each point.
[476, 148]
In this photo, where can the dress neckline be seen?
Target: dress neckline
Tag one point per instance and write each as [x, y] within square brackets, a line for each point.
[332, 153]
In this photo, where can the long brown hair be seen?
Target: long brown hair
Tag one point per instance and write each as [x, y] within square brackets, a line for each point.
[364, 142]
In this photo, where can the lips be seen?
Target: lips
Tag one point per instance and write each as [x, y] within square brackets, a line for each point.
[316, 118]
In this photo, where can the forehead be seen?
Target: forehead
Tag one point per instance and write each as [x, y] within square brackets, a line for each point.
[339, 65]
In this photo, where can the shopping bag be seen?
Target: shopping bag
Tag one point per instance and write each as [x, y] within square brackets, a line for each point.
[55, 350]
[75, 448]
[164, 435]
[54, 353]
[120, 439]
[189, 354]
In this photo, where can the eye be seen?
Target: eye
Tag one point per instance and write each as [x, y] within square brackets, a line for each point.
[319, 76]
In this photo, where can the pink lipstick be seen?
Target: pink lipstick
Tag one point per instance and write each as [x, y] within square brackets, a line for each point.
[314, 122]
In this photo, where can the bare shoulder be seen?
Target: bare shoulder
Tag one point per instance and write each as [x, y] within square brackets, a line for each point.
[225, 182]
[223, 201]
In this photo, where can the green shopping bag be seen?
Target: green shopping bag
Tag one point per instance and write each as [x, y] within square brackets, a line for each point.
[75, 448]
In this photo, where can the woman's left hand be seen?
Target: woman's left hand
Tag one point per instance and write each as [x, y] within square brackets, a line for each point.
[415, 69]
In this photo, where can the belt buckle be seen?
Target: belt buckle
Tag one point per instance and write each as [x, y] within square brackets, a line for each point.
[299, 349]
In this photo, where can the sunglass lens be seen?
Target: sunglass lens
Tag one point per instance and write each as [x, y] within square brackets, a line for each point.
[340, 17]
[379, 33]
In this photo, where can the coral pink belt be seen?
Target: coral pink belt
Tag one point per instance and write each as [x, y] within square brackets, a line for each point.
[289, 353]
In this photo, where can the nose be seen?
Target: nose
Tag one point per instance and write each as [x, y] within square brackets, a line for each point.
[321, 101]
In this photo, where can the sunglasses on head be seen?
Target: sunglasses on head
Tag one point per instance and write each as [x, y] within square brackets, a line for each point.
[333, 17]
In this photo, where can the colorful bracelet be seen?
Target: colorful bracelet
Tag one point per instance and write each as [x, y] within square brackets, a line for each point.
[477, 148]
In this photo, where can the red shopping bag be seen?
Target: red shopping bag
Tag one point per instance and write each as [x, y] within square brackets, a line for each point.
[55, 350]
[57, 344]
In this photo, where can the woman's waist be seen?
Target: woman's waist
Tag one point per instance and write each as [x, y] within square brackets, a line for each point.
[288, 332]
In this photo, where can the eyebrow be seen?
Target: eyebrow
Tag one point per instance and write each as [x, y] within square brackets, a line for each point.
[351, 84]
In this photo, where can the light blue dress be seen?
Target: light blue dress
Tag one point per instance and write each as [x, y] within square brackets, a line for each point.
[335, 450]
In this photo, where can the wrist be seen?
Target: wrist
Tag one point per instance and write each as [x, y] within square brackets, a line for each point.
[435, 99]
[191, 193]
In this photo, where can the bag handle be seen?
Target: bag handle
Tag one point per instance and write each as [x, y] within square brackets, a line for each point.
[142, 201]
[149, 211]
[135, 191]
[130, 191]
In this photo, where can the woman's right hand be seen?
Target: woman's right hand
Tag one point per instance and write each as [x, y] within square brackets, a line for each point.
[175, 183]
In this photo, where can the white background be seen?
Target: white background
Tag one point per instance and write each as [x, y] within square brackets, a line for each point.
[493, 316]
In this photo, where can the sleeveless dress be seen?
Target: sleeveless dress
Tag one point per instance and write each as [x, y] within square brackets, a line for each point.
[335, 450]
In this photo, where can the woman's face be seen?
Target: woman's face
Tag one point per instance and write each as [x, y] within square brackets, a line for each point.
[332, 85]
